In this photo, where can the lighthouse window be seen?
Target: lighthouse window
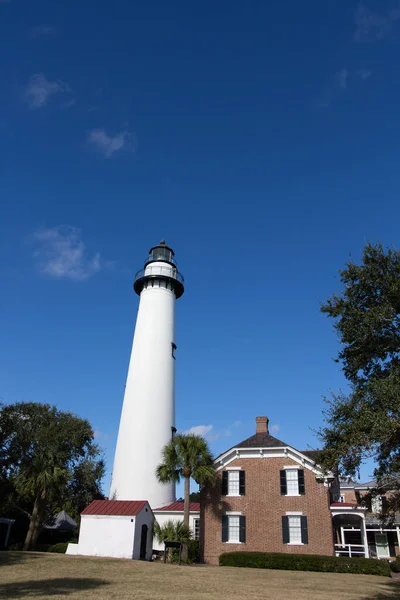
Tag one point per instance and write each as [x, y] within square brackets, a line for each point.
[173, 348]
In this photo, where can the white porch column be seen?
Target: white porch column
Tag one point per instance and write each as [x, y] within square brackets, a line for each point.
[342, 535]
[364, 535]
[398, 538]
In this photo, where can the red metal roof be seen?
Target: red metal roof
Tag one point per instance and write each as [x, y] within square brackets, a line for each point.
[344, 504]
[178, 506]
[120, 508]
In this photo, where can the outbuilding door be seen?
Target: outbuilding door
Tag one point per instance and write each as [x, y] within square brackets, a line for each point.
[143, 542]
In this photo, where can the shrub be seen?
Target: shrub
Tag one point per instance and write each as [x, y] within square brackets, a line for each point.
[193, 551]
[60, 548]
[304, 562]
[395, 565]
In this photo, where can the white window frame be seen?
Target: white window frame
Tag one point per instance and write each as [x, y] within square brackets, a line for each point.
[196, 526]
[342, 498]
[233, 515]
[236, 471]
[296, 542]
[294, 470]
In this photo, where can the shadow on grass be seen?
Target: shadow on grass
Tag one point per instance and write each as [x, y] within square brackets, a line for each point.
[391, 591]
[8, 558]
[49, 587]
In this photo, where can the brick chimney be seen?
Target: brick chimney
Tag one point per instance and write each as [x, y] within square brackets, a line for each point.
[262, 424]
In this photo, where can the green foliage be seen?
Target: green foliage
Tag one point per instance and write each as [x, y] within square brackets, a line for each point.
[60, 548]
[366, 423]
[193, 551]
[48, 461]
[187, 455]
[172, 531]
[304, 562]
[395, 565]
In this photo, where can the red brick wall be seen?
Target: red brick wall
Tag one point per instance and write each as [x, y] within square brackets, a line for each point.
[263, 506]
[349, 496]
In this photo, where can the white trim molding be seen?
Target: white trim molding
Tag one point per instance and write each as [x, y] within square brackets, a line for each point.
[294, 544]
[225, 459]
[294, 514]
[233, 513]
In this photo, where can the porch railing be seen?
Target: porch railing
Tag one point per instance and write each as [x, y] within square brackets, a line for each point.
[350, 550]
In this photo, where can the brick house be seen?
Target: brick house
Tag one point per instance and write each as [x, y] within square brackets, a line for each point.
[268, 497]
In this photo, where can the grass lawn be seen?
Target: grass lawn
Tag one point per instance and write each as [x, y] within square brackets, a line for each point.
[40, 575]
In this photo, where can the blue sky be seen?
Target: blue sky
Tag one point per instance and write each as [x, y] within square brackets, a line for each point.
[259, 139]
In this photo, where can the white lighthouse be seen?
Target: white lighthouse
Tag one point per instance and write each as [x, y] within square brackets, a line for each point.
[148, 412]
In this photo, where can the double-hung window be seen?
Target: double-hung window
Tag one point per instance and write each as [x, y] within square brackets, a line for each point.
[294, 529]
[292, 482]
[233, 482]
[196, 529]
[234, 529]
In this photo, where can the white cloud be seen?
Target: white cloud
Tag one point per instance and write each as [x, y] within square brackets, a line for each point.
[364, 73]
[108, 144]
[372, 26]
[200, 430]
[39, 90]
[60, 253]
[341, 78]
[100, 436]
[42, 30]
[275, 428]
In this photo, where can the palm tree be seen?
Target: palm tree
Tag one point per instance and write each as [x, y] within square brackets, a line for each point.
[41, 481]
[186, 455]
[172, 531]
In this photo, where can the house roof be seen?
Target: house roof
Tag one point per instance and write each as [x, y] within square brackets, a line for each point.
[344, 504]
[313, 454]
[61, 521]
[121, 508]
[261, 440]
[178, 507]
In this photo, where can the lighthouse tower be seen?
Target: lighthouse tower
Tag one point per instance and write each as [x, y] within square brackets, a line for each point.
[148, 412]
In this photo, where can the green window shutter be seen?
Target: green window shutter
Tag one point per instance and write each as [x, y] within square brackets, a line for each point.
[224, 483]
[242, 529]
[225, 528]
[283, 483]
[285, 530]
[242, 483]
[304, 530]
[302, 487]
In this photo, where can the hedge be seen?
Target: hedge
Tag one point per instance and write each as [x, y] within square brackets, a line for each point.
[304, 562]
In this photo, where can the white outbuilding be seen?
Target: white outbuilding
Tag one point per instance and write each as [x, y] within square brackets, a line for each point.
[116, 529]
[174, 512]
